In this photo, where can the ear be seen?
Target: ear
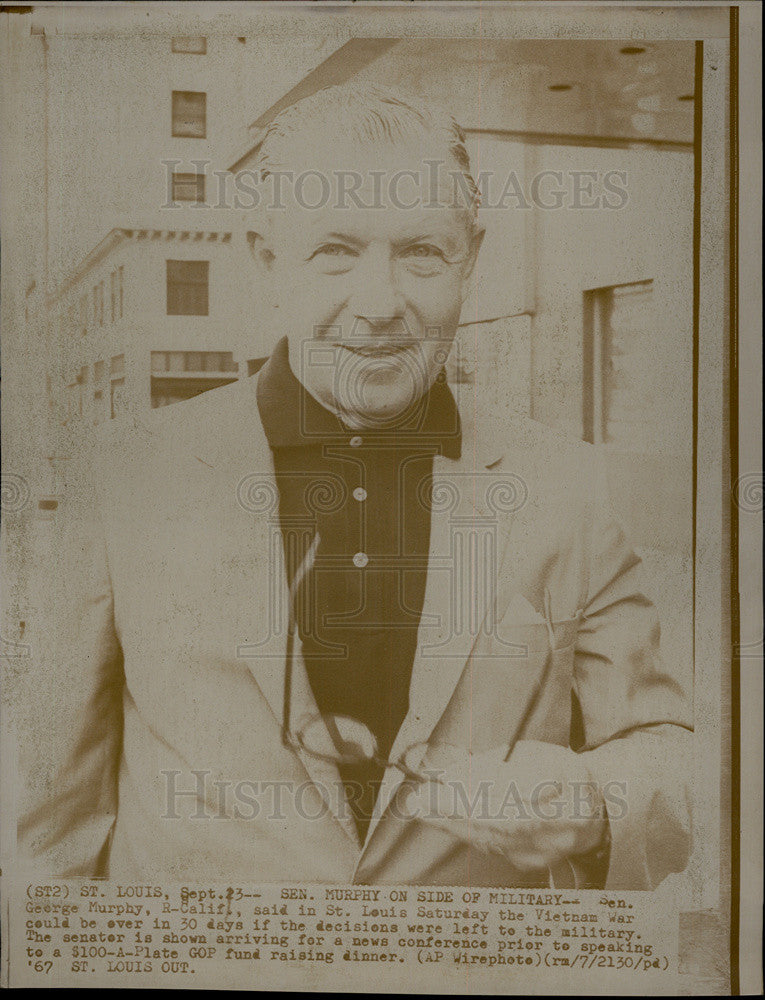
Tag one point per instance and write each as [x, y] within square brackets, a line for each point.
[469, 263]
[263, 257]
[260, 249]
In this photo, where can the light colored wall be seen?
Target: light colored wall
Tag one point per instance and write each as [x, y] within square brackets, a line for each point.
[581, 249]
[541, 260]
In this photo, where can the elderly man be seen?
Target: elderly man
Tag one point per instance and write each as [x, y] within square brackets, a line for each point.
[332, 624]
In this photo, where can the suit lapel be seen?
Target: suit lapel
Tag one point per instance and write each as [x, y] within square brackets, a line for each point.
[465, 548]
[233, 443]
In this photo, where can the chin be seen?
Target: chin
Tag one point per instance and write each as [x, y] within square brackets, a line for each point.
[384, 410]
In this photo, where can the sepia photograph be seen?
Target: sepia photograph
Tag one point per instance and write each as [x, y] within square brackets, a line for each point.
[366, 502]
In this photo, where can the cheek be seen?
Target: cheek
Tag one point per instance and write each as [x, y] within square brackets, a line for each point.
[437, 302]
[304, 294]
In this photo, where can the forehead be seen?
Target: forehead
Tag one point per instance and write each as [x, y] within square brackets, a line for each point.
[390, 192]
[363, 225]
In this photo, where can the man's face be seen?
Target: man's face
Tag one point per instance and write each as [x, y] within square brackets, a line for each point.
[370, 297]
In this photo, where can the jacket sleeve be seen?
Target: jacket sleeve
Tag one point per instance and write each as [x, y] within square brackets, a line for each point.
[636, 716]
[69, 710]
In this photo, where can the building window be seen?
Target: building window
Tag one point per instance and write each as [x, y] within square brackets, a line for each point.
[98, 304]
[117, 397]
[187, 287]
[193, 361]
[117, 385]
[189, 114]
[83, 315]
[191, 46]
[99, 380]
[180, 375]
[116, 293]
[622, 391]
[189, 187]
[27, 303]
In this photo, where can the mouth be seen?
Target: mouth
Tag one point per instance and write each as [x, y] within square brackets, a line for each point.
[376, 350]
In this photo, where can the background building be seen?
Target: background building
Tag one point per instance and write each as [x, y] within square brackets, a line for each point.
[583, 291]
[150, 317]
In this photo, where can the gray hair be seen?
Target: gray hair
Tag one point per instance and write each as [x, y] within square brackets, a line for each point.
[367, 114]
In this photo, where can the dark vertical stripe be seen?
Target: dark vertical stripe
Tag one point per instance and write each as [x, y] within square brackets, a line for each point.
[699, 72]
[735, 627]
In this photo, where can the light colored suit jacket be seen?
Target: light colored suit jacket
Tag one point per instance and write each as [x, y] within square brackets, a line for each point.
[155, 748]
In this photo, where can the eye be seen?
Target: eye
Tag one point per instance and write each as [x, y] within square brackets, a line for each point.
[424, 260]
[335, 250]
[424, 251]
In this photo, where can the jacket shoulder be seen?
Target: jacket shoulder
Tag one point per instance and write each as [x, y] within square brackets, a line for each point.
[204, 423]
[546, 451]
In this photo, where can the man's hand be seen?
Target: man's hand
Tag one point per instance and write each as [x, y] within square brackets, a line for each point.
[538, 809]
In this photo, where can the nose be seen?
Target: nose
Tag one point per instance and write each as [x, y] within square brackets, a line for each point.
[377, 298]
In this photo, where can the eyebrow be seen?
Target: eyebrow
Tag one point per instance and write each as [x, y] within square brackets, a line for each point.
[444, 239]
[339, 237]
